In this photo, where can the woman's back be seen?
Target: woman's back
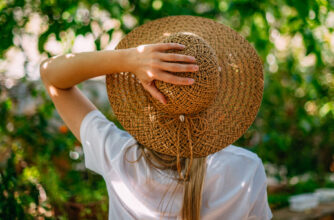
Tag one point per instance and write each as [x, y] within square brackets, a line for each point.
[234, 185]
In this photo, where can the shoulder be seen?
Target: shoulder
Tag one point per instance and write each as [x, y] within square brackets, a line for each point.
[103, 142]
[240, 151]
[235, 179]
[97, 121]
[232, 168]
[235, 154]
[233, 159]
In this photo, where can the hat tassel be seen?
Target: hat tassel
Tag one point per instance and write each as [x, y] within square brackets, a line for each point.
[178, 150]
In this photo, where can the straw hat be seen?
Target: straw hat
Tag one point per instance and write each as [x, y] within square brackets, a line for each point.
[201, 118]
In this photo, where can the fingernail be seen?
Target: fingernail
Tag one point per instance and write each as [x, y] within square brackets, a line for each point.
[191, 80]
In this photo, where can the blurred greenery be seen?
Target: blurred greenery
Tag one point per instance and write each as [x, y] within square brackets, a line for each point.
[294, 127]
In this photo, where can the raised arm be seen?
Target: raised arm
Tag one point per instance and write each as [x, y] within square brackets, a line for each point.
[68, 70]
[60, 74]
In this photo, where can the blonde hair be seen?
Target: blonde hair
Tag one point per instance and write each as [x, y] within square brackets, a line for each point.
[193, 187]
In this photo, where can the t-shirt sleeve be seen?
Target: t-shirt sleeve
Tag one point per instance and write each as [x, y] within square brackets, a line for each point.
[258, 198]
[102, 141]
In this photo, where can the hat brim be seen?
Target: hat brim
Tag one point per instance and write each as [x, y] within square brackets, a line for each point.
[230, 115]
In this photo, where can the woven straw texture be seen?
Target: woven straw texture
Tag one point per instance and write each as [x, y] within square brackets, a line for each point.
[202, 118]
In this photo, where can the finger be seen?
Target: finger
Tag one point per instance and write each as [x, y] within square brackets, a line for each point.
[169, 46]
[153, 90]
[176, 57]
[170, 78]
[178, 67]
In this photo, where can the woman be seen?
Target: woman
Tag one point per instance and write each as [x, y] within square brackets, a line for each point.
[225, 182]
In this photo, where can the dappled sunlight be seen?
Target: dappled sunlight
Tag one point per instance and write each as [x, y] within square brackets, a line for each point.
[130, 199]
[141, 48]
[54, 57]
[69, 55]
[148, 110]
[189, 33]
[45, 65]
[53, 91]
[149, 73]
[243, 184]
[152, 117]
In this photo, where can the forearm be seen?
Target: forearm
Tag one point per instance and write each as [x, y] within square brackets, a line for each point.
[68, 70]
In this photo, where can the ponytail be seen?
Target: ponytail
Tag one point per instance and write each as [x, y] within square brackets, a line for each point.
[193, 187]
[192, 196]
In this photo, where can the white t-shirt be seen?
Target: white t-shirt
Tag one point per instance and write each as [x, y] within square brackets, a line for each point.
[235, 186]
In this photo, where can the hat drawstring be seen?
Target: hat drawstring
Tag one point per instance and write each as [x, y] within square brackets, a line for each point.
[191, 151]
[187, 122]
[178, 163]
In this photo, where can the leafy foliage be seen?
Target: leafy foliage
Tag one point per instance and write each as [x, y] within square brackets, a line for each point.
[294, 126]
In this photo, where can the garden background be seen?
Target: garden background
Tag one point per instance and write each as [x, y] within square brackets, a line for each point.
[42, 169]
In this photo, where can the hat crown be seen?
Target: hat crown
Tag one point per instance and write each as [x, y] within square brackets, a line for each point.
[220, 123]
[191, 99]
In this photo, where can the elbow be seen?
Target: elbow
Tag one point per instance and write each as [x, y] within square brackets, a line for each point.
[46, 72]
[43, 69]
[47, 75]
[51, 72]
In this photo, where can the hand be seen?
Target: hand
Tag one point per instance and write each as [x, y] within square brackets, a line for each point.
[148, 63]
